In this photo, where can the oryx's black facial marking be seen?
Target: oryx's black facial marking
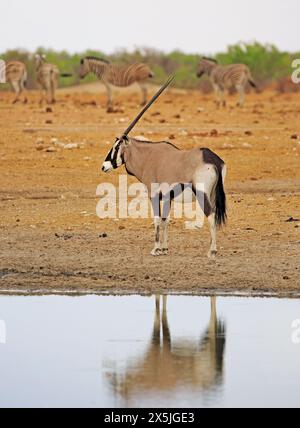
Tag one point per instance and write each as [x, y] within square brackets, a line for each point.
[114, 158]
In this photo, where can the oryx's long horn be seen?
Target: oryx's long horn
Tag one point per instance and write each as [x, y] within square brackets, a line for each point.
[130, 128]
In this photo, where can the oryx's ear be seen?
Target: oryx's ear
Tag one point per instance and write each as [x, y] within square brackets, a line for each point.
[126, 140]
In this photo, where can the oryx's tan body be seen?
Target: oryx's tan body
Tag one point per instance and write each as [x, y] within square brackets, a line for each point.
[164, 163]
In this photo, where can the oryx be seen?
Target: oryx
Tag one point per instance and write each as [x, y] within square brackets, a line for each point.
[162, 163]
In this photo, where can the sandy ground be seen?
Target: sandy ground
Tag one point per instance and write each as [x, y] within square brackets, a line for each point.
[52, 240]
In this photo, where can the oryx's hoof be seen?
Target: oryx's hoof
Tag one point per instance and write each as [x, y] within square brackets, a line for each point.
[165, 251]
[156, 252]
[212, 254]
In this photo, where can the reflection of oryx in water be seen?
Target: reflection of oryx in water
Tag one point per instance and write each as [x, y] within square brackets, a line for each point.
[169, 365]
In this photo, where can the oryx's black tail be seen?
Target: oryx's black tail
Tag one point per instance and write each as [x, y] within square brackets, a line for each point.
[221, 208]
[212, 158]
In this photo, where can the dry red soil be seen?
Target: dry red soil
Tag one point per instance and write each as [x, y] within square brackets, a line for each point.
[51, 237]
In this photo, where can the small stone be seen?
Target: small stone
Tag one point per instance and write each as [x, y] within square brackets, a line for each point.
[294, 137]
[71, 146]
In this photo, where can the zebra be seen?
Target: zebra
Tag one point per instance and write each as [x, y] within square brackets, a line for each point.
[116, 75]
[15, 73]
[47, 76]
[163, 163]
[226, 77]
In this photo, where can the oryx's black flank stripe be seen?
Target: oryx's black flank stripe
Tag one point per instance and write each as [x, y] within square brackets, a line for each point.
[210, 157]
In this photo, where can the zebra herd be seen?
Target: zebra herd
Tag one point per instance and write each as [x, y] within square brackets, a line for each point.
[47, 76]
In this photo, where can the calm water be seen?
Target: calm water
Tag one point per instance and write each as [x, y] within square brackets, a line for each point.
[129, 351]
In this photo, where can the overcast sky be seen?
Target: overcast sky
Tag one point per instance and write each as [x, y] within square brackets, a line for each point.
[198, 26]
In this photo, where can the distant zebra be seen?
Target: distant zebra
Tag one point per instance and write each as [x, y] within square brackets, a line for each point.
[115, 75]
[47, 76]
[226, 77]
[15, 73]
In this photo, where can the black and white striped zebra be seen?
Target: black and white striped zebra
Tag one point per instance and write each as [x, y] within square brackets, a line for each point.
[116, 75]
[15, 73]
[226, 77]
[47, 76]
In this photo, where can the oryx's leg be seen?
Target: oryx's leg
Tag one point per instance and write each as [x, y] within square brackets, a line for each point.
[110, 107]
[157, 247]
[165, 227]
[167, 201]
[206, 179]
[165, 232]
[167, 204]
[17, 89]
[155, 200]
[144, 90]
[213, 233]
